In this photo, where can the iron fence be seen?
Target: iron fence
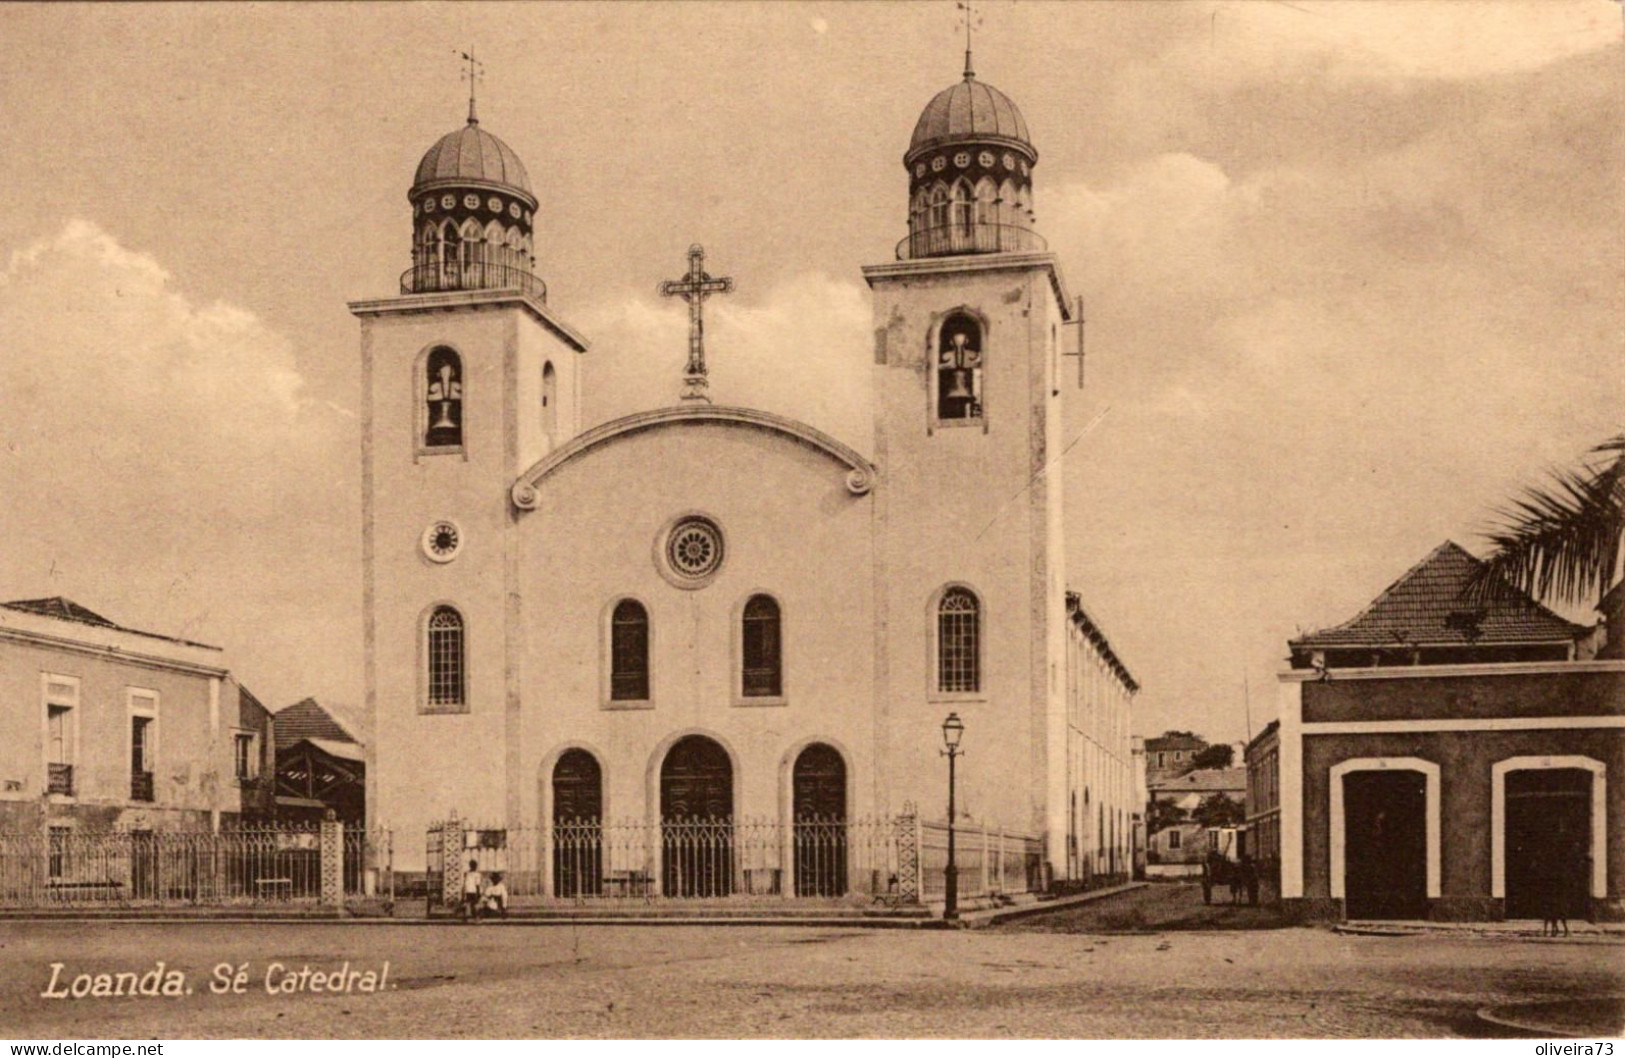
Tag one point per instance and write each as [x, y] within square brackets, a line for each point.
[435, 277]
[968, 236]
[61, 865]
[841, 861]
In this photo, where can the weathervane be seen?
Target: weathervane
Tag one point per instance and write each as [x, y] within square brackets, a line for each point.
[968, 17]
[694, 288]
[473, 74]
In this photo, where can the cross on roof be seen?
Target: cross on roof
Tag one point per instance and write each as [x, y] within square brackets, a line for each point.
[694, 288]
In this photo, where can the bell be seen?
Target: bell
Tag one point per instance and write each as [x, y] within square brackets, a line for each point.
[959, 385]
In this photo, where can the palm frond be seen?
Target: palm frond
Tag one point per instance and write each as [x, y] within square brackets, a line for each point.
[1561, 542]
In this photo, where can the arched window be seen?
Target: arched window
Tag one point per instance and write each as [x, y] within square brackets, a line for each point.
[443, 396]
[959, 368]
[959, 633]
[629, 652]
[964, 215]
[939, 210]
[550, 402]
[1007, 203]
[450, 257]
[763, 675]
[444, 649]
[987, 201]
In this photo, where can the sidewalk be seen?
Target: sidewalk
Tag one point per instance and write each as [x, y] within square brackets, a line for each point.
[1514, 929]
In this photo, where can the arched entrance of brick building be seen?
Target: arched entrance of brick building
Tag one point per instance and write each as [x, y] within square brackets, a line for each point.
[1385, 844]
[1548, 842]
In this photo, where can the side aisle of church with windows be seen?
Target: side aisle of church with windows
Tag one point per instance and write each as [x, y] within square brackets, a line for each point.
[698, 649]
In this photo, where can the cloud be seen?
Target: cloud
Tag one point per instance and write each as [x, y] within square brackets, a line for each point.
[161, 455]
[1403, 39]
[802, 351]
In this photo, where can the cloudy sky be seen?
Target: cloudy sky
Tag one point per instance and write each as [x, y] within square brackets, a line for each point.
[1353, 273]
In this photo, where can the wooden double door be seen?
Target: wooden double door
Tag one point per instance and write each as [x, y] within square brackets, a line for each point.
[1548, 843]
[1385, 844]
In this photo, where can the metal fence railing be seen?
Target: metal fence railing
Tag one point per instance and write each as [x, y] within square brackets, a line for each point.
[861, 861]
[62, 866]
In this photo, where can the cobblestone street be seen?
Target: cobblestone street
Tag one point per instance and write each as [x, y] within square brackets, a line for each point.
[557, 981]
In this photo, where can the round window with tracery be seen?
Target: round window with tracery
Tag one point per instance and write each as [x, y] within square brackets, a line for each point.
[694, 548]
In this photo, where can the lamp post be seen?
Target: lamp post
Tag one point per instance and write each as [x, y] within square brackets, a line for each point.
[953, 729]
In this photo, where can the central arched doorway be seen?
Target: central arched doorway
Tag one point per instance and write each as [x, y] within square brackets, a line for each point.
[818, 795]
[696, 819]
[578, 835]
[1548, 842]
[1386, 845]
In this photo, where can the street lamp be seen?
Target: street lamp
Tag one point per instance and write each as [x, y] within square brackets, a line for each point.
[953, 729]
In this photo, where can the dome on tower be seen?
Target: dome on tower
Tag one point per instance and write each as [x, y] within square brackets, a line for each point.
[970, 164]
[969, 110]
[470, 155]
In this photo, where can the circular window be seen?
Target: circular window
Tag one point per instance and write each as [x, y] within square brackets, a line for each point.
[692, 552]
[962, 159]
[442, 541]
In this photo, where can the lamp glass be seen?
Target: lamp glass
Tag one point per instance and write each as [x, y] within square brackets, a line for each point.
[952, 730]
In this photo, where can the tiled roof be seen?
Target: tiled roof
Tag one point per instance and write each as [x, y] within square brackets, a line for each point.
[307, 719]
[1428, 607]
[67, 610]
[1207, 780]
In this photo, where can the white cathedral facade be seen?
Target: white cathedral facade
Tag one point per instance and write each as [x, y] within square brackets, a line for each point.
[714, 611]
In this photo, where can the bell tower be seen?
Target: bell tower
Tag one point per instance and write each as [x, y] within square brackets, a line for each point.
[970, 577]
[469, 377]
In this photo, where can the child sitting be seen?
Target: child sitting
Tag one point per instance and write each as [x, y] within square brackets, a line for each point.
[496, 895]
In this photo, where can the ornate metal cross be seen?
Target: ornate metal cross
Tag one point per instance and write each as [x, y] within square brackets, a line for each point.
[694, 288]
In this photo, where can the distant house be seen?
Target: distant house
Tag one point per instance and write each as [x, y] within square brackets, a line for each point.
[1436, 705]
[104, 727]
[1263, 841]
[320, 765]
[1171, 753]
[1188, 791]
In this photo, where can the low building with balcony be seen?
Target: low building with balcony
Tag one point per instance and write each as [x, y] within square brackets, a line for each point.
[104, 728]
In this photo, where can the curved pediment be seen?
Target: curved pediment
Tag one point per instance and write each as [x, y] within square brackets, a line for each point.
[860, 473]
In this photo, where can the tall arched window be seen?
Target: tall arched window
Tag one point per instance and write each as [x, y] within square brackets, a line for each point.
[939, 211]
[763, 675]
[550, 403]
[444, 650]
[450, 256]
[959, 368]
[443, 395]
[959, 633]
[629, 652]
[964, 216]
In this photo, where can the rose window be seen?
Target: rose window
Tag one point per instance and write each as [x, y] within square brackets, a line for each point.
[694, 549]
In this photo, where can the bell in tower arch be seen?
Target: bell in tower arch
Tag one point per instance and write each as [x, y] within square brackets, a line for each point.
[959, 368]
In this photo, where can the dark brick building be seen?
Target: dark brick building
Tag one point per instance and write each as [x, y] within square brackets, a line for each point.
[1430, 706]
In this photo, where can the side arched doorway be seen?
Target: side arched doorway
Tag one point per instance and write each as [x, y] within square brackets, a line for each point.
[818, 795]
[578, 836]
[696, 819]
[1548, 842]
